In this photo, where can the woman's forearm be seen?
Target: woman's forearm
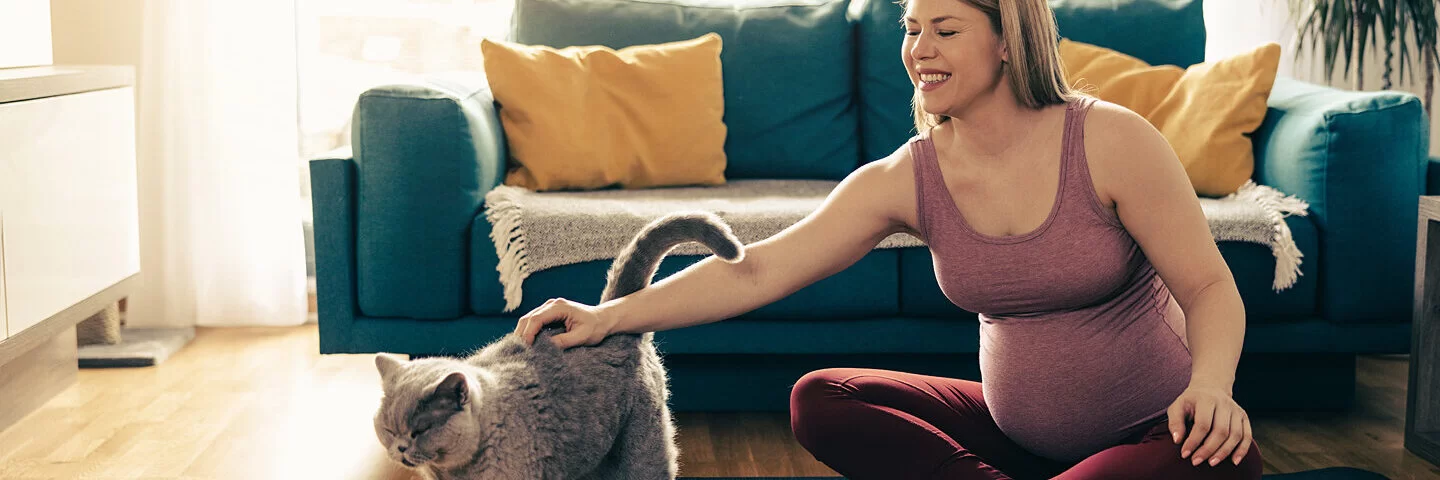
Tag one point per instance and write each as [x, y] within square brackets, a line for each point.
[1215, 327]
[708, 291]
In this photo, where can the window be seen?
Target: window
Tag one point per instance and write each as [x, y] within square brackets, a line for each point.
[349, 46]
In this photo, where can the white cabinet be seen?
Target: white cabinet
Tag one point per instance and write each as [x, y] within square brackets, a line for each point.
[70, 225]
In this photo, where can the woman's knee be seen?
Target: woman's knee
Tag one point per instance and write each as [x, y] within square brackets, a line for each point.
[1160, 458]
[813, 400]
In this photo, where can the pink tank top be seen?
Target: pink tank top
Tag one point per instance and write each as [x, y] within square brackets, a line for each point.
[1081, 343]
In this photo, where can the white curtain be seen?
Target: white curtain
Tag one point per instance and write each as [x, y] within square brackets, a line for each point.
[220, 219]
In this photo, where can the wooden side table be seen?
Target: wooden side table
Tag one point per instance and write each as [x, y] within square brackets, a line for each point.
[1422, 400]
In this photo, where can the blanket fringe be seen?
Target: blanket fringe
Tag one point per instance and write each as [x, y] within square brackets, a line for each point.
[1277, 206]
[508, 234]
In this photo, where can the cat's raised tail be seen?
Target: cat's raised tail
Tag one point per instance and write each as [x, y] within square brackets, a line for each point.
[635, 266]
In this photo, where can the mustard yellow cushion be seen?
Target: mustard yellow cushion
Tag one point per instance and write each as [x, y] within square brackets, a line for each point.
[1207, 111]
[592, 117]
[1116, 77]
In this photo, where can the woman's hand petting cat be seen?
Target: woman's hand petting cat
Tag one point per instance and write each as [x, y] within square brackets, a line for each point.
[1221, 428]
[584, 324]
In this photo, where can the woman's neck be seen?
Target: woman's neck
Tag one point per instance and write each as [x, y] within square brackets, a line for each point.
[992, 125]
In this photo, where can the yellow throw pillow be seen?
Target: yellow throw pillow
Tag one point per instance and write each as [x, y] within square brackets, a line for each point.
[1116, 77]
[1207, 111]
[591, 117]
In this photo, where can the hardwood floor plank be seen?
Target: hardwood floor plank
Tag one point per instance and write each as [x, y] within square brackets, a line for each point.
[246, 403]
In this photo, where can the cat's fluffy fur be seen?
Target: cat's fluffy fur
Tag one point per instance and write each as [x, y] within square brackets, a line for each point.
[515, 412]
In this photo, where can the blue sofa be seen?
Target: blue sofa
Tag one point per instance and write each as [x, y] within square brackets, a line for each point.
[814, 88]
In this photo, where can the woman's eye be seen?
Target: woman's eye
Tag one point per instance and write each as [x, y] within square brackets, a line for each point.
[911, 33]
[946, 33]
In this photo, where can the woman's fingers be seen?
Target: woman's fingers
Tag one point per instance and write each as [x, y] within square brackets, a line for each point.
[575, 337]
[1237, 433]
[1244, 447]
[1204, 414]
[1176, 415]
[1219, 433]
[530, 324]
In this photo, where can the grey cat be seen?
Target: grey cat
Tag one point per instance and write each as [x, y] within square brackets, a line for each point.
[509, 411]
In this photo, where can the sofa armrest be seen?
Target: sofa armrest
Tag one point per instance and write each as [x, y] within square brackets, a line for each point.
[1359, 159]
[332, 187]
[425, 155]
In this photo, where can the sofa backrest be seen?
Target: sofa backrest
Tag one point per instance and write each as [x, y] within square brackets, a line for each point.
[1156, 31]
[788, 67]
[802, 79]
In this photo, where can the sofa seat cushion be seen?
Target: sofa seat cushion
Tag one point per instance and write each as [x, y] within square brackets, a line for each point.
[787, 67]
[869, 288]
[1252, 265]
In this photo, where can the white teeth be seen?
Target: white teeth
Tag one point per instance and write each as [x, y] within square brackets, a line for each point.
[934, 77]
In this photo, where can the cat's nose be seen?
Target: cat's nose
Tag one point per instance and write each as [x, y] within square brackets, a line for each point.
[402, 448]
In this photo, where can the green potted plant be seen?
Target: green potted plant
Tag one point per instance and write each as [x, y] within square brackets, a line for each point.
[1342, 28]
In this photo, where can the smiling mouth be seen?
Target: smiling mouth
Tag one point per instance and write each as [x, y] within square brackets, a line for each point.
[934, 78]
[932, 81]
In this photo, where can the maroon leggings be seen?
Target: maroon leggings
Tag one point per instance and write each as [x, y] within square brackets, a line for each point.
[880, 424]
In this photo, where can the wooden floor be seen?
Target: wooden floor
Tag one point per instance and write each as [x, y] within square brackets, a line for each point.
[257, 403]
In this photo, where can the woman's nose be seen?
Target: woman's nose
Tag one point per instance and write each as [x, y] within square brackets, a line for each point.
[922, 48]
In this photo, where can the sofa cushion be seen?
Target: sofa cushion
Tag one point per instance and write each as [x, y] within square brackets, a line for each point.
[647, 116]
[1254, 269]
[788, 68]
[1160, 32]
[1207, 111]
[869, 288]
[1252, 265]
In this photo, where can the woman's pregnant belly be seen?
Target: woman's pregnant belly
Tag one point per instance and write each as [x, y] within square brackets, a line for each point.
[1069, 385]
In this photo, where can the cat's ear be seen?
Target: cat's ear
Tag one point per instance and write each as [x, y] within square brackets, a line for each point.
[453, 391]
[387, 364]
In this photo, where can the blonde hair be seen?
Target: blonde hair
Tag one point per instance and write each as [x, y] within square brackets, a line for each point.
[1028, 29]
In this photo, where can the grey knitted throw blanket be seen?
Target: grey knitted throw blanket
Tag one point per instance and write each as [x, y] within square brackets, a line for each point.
[534, 231]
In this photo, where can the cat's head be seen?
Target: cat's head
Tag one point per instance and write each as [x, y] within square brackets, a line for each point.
[425, 417]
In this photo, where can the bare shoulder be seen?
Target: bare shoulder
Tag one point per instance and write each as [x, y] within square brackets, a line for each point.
[888, 183]
[1121, 147]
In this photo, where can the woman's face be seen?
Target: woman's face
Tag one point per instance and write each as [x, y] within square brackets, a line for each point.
[952, 54]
